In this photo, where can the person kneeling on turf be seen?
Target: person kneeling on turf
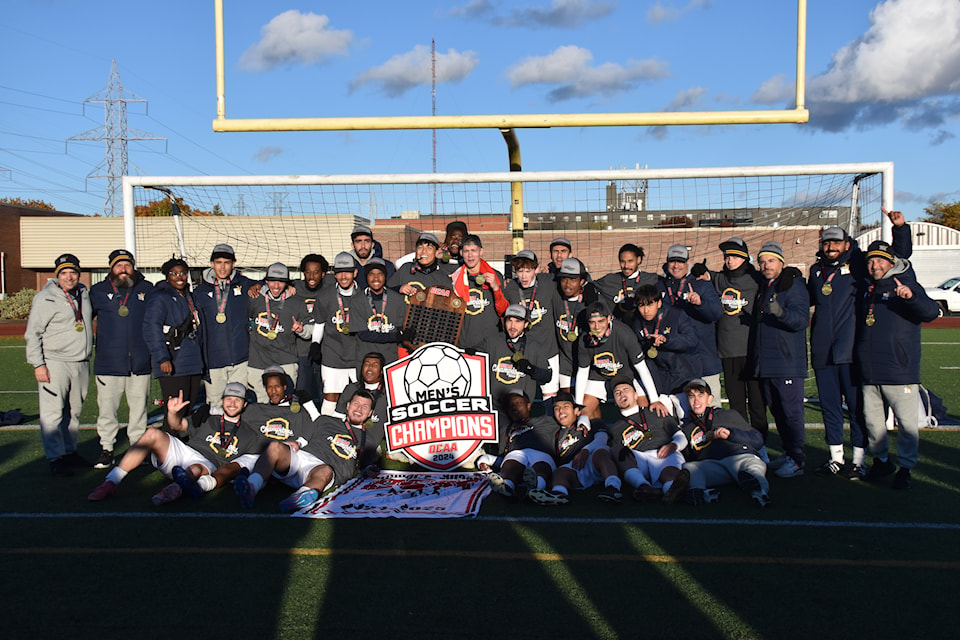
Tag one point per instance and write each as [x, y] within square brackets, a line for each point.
[646, 448]
[326, 455]
[723, 449]
[590, 464]
[213, 443]
[528, 453]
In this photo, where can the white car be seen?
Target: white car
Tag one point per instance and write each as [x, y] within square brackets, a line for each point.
[947, 295]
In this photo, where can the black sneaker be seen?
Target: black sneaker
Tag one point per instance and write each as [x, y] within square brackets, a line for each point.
[829, 468]
[611, 494]
[902, 479]
[856, 472]
[105, 461]
[879, 470]
[60, 468]
[76, 461]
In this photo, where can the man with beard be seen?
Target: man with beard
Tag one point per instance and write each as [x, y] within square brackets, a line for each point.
[481, 287]
[834, 278]
[314, 267]
[370, 379]
[575, 294]
[424, 272]
[122, 365]
[620, 287]
[363, 250]
[382, 331]
[448, 251]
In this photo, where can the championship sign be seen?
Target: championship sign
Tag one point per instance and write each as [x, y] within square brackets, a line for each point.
[440, 408]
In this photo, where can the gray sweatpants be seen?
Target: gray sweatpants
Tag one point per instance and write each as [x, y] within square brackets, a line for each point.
[716, 473]
[904, 399]
[109, 391]
[61, 400]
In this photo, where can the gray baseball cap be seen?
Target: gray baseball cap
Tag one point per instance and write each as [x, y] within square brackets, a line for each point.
[572, 268]
[278, 272]
[361, 230]
[235, 390]
[678, 252]
[343, 262]
[525, 254]
[426, 236]
[516, 311]
[833, 233]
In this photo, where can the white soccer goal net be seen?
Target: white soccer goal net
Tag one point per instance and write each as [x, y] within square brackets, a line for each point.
[282, 218]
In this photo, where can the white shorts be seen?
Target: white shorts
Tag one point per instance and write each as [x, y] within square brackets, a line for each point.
[651, 466]
[301, 464]
[597, 389]
[336, 380]
[589, 475]
[247, 461]
[530, 457]
[180, 455]
[565, 381]
[551, 388]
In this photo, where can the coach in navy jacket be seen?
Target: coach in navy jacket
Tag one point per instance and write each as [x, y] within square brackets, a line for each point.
[780, 351]
[892, 306]
[834, 279]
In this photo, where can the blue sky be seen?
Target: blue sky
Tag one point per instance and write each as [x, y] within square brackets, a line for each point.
[883, 84]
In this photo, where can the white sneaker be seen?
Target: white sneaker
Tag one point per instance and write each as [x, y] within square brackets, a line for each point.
[789, 469]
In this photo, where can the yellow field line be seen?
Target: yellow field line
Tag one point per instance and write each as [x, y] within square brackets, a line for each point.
[488, 555]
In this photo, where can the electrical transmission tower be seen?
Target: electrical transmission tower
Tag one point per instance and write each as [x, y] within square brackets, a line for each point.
[116, 134]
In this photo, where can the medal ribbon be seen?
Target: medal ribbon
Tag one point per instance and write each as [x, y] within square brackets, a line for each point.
[872, 300]
[77, 308]
[273, 323]
[383, 306]
[123, 302]
[220, 292]
[345, 314]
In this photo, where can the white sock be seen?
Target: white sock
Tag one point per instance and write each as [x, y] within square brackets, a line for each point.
[510, 485]
[634, 477]
[256, 481]
[116, 475]
[541, 483]
[858, 455]
[207, 483]
[667, 485]
[836, 452]
[328, 407]
[612, 481]
[561, 489]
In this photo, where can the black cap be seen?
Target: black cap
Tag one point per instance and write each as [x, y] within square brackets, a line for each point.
[120, 255]
[66, 261]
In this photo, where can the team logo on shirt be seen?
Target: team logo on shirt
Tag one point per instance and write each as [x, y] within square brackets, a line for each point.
[633, 435]
[141, 296]
[536, 311]
[699, 439]
[343, 446]
[477, 302]
[439, 406]
[264, 323]
[570, 439]
[732, 301]
[606, 364]
[224, 445]
[506, 372]
[380, 323]
[276, 428]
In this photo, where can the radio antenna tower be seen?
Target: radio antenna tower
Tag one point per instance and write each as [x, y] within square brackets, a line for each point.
[433, 93]
[116, 134]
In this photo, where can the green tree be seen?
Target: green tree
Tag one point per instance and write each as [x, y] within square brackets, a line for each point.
[34, 204]
[947, 214]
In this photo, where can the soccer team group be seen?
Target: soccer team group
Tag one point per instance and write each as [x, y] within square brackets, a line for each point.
[292, 370]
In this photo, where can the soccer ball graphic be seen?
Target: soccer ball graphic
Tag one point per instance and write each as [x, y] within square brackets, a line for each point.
[436, 371]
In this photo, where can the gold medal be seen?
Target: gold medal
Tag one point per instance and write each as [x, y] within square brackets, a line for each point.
[78, 326]
[652, 353]
[444, 256]
[480, 279]
[517, 356]
[123, 311]
[571, 336]
[826, 289]
[455, 303]
[421, 295]
[221, 317]
[345, 328]
[271, 335]
[871, 320]
[294, 407]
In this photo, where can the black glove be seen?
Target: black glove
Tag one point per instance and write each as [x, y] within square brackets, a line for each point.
[408, 334]
[303, 396]
[315, 352]
[699, 269]
[774, 308]
[787, 276]
[524, 365]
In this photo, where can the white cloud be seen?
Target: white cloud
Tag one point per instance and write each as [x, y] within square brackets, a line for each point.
[569, 66]
[686, 99]
[660, 13]
[776, 90]
[265, 154]
[405, 71]
[295, 38]
[564, 14]
[905, 68]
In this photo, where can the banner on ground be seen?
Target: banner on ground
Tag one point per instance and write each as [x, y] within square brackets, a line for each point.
[404, 494]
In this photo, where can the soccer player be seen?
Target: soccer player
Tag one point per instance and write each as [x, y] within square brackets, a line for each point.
[327, 455]
[210, 444]
[277, 319]
[382, 331]
[221, 302]
[620, 287]
[59, 340]
[647, 448]
[122, 365]
[481, 287]
[314, 267]
[426, 270]
[604, 352]
[528, 450]
[591, 461]
[575, 294]
[723, 449]
[560, 249]
[363, 250]
[667, 338]
[341, 311]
